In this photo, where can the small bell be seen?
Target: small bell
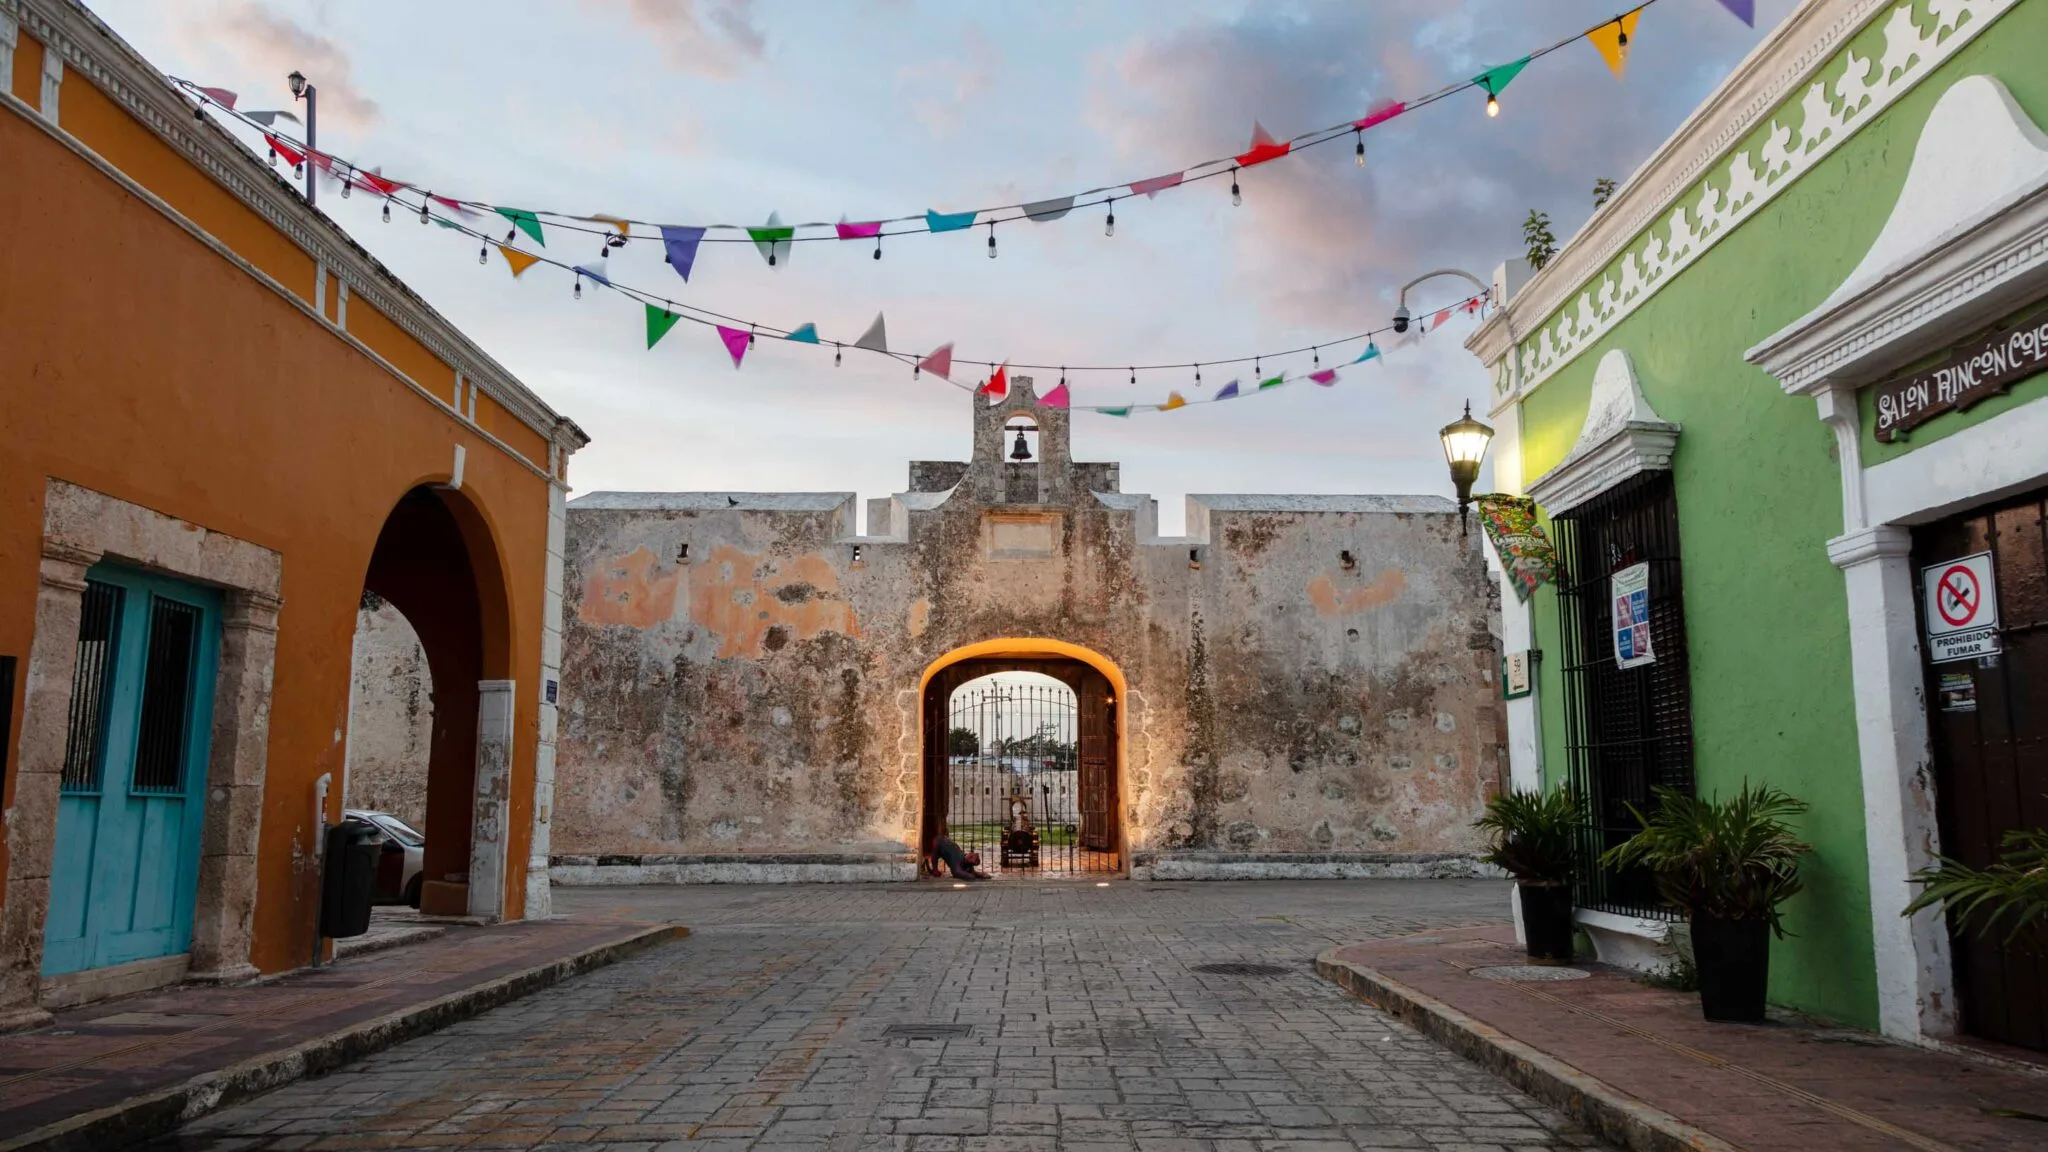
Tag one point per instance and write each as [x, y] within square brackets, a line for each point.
[1020, 451]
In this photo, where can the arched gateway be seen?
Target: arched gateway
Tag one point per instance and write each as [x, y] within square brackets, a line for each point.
[1022, 758]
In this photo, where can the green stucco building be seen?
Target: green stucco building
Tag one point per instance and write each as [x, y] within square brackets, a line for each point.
[1792, 381]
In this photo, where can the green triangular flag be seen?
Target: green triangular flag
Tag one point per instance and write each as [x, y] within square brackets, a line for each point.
[1123, 411]
[526, 222]
[1274, 382]
[1496, 79]
[659, 321]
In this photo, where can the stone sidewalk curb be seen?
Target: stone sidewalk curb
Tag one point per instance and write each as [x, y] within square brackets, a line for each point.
[1604, 1110]
[133, 1121]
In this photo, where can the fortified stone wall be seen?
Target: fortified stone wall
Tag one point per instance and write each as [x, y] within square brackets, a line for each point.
[1311, 679]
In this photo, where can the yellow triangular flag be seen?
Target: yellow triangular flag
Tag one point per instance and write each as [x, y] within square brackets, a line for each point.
[1173, 400]
[520, 261]
[1614, 39]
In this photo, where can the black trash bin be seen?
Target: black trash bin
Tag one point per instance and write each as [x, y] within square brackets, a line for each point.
[349, 879]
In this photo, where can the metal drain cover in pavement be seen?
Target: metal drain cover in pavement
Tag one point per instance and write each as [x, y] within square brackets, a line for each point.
[927, 1031]
[1534, 973]
[1238, 969]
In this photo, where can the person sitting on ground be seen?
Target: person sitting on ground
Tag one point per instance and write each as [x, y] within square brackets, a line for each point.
[962, 865]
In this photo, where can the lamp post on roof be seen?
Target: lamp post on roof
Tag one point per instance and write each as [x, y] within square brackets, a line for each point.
[303, 90]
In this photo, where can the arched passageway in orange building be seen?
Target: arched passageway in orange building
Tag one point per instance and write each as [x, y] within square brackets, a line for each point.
[435, 563]
[1023, 759]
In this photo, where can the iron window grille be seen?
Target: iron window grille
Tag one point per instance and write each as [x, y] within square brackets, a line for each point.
[91, 680]
[1628, 730]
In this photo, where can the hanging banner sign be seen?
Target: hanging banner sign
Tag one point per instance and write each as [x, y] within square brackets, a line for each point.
[1526, 553]
[1977, 370]
[1961, 602]
[1631, 595]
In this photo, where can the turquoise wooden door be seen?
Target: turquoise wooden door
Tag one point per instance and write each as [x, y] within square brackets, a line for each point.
[127, 857]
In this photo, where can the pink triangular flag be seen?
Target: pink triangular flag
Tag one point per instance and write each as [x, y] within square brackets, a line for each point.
[1157, 184]
[1326, 377]
[1057, 398]
[735, 343]
[1263, 148]
[939, 363]
[998, 387]
[1440, 318]
[221, 96]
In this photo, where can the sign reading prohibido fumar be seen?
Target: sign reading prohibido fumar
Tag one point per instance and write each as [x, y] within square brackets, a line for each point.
[1631, 588]
[1983, 367]
[1961, 602]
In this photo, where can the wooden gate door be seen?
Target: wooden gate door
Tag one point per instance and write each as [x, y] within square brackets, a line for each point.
[1989, 720]
[1098, 765]
[128, 817]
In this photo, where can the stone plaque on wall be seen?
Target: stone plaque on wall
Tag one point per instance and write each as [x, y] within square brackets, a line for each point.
[1023, 537]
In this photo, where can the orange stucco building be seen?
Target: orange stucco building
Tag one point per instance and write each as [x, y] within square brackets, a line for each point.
[221, 423]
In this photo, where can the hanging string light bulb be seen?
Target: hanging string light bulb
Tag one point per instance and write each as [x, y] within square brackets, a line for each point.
[1109, 224]
[1359, 152]
[483, 254]
[991, 239]
[750, 335]
[346, 183]
[1315, 356]
[1198, 375]
[1492, 101]
[578, 293]
[387, 210]
[837, 352]
[273, 156]
[1236, 193]
[424, 200]
[878, 245]
[1134, 376]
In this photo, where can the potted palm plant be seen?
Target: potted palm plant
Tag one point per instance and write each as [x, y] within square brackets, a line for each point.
[2015, 886]
[1531, 836]
[1728, 865]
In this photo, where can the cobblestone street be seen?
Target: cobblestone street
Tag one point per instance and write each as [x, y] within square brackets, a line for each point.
[1041, 1017]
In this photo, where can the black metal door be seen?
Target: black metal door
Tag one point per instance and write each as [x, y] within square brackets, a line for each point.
[1628, 730]
[1988, 717]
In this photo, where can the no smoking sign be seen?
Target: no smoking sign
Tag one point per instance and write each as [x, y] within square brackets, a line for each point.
[1960, 598]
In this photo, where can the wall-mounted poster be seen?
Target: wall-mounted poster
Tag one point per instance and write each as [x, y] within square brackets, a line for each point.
[1631, 596]
[1528, 555]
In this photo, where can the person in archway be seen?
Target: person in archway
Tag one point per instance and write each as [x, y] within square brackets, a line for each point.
[963, 865]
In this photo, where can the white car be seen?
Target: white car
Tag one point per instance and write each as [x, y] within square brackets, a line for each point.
[402, 852]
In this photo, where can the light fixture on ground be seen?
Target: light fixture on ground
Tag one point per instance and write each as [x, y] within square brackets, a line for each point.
[302, 90]
[1465, 442]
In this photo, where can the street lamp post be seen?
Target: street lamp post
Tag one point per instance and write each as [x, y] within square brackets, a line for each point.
[301, 90]
[1465, 442]
[1402, 317]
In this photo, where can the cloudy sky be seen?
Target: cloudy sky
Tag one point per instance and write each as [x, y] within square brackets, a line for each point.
[719, 111]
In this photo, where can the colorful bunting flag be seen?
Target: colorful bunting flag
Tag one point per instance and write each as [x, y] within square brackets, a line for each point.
[1273, 381]
[948, 222]
[453, 205]
[1372, 352]
[866, 230]
[771, 240]
[1496, 79]
[526, 222]
[939, 363]
[1326, 377]
[1439, 320]
[659, 321]
[292, 156]
[681, 245]
[876, 338]
[1382, 112]
[520, 261]
[1473, 305]
[624, 227]
[268, 119]
[221, 96]
[596, 271]
[736, 343]
[1057, 398]
[1045, 210]
[1263, 148]
[372, 182]
[1173, 400]
[1745, 10]
[1123, 410]
[804, 334]
[1614, 39]
[997, 389]
[1228, 391]
[1157, 184]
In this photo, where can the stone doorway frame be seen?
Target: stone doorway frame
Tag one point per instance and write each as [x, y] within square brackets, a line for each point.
[82, 527]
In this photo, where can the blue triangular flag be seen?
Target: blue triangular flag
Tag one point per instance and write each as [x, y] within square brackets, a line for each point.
[1229, 390]
[681, 243]
[595, 270]
[947, 221]
[804, 334]
[1372, 352]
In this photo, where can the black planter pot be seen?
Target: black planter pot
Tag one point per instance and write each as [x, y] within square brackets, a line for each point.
[1547, 919]
[1734, 961]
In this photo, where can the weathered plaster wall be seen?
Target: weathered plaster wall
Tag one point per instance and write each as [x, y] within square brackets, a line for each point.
[741, 673]
[391, 717]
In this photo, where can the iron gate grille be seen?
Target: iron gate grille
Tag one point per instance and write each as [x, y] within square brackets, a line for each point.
[1014, 787]
[1627, 730]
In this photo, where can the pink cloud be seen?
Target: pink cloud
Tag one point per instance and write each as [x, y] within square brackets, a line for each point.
[711, 38]
[267, 43]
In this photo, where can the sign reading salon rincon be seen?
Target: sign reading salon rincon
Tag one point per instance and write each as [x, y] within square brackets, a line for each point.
[1985, 366]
